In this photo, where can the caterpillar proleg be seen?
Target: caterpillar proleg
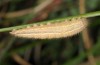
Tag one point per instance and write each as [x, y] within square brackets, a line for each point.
[65, 28]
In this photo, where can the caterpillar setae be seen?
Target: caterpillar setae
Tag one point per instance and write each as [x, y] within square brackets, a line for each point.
[65, 28]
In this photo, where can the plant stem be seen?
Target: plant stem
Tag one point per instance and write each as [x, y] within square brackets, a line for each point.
[92, 14]
[85, 35]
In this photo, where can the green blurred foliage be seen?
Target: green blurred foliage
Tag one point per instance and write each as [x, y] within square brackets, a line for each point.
[63, 51]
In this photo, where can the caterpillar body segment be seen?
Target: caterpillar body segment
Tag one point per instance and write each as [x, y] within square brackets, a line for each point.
[65, 28]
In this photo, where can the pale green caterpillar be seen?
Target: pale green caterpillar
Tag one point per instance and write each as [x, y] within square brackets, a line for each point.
[65, 28]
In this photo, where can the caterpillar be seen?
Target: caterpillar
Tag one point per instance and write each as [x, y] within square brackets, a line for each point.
[64, 28]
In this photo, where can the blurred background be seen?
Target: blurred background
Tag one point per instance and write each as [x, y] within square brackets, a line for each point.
[81, 49]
